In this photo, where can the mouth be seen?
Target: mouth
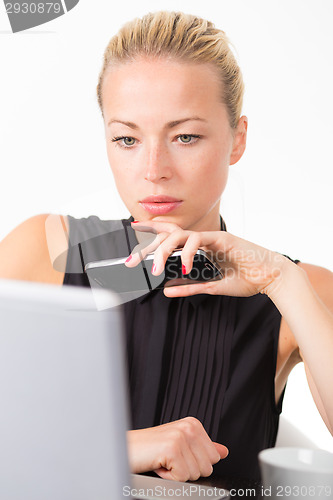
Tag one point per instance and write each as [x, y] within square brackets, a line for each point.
[159, 204]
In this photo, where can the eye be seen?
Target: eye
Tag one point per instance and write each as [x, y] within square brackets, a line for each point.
[188, 138]
[127, 141]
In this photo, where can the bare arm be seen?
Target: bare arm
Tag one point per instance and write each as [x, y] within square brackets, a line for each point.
[27, 253]
[304, 296]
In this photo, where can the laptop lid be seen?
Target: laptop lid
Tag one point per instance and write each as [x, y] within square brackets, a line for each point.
[63, 392]
[64, 411]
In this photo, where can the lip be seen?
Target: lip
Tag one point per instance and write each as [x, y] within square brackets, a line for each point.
[159, 204]
[158, 198]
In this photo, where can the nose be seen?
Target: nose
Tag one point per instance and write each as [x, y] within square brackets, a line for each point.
[157, 163]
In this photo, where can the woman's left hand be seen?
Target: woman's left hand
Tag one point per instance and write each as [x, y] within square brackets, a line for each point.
[248, 268]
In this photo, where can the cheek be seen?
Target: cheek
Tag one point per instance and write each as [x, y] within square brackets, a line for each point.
[121, 172]
[214, 168]
[124, 183]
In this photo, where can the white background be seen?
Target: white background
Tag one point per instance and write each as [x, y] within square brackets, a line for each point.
[52, 152]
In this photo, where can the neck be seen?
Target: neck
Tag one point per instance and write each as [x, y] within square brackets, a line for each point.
[210, 222]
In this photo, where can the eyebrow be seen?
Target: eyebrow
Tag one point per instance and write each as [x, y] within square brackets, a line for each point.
[169, 125]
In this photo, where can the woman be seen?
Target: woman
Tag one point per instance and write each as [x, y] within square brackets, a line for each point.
[208, 363]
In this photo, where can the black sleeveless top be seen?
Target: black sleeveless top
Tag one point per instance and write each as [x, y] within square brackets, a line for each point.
[210, 357]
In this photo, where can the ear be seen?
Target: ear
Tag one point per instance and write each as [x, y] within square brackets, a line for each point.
[239, 143]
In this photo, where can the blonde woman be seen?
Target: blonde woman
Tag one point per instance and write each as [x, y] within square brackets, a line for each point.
[208, 363]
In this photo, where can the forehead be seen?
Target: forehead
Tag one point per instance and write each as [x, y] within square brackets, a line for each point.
[164, 87]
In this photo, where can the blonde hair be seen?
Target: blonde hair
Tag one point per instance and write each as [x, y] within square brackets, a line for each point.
[183, 37]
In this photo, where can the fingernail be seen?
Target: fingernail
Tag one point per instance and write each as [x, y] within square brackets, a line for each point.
[183, 269]
[135, 221]
[153, 269]
[128, 258]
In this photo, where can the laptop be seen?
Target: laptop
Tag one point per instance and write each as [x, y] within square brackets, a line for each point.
[63, 392]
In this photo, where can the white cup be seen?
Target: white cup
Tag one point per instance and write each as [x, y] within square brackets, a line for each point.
[296, 473]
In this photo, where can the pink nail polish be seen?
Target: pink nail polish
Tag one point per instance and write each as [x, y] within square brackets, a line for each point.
[183, 269]
[128, 258]
[153, 269]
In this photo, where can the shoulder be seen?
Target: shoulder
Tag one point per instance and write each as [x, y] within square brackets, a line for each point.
[321, 280]
[37, 249]
[28, 251]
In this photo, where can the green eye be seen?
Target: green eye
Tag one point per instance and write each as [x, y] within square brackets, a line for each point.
[129, 141]
[188, 138]
[123, 141]
[185, 138]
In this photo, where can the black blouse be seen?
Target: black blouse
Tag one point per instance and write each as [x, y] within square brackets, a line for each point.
[210, 357]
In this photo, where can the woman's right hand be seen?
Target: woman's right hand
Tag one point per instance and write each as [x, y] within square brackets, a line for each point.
[179, 450]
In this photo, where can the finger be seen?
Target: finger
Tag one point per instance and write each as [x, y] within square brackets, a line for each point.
[164, 473]
[221, 449]
[184, 455]
[174, 241]
[190, 248]
[195, 289]
[230, 285]
[180, 466]
[208, 453]
[188, 469]
[211, 241]
[157, 226]
[205, 457]
[178, 473]
[203, 449]
[141, 250]
[171, 475]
